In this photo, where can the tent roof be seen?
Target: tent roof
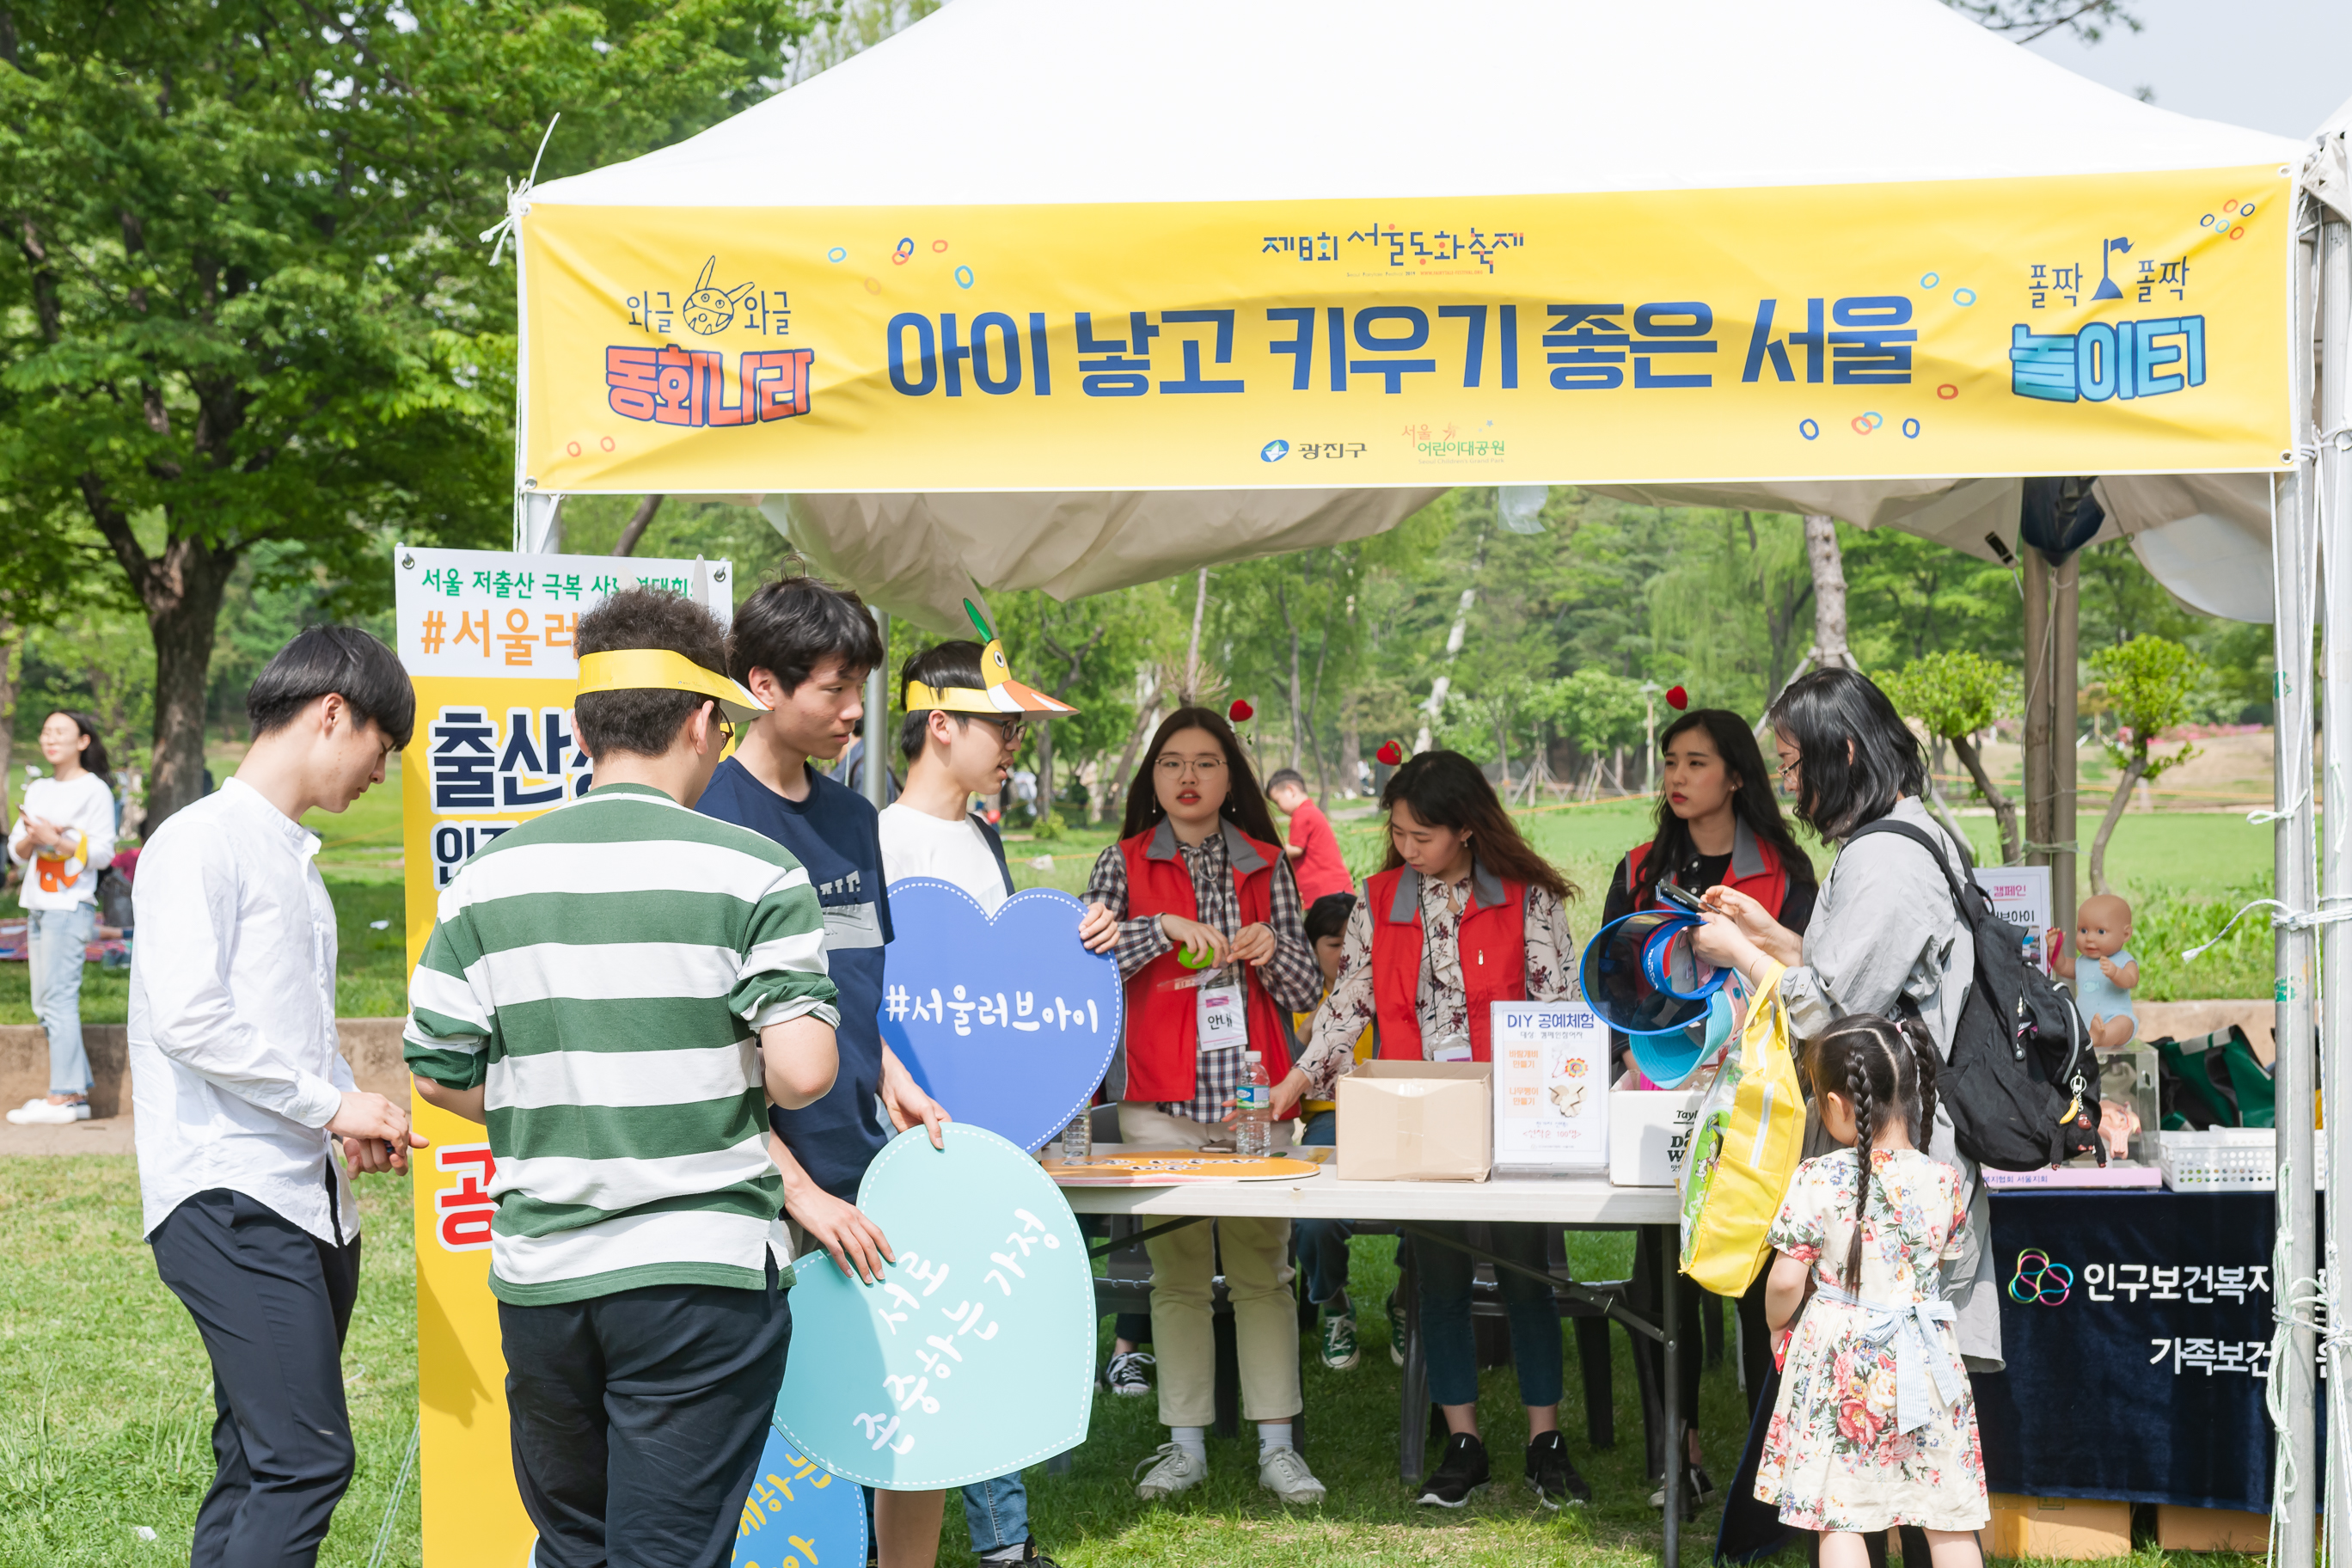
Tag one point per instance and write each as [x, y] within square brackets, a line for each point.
[1003, 101]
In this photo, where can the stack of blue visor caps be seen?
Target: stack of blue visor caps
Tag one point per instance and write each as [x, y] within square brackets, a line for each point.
[1642, 977]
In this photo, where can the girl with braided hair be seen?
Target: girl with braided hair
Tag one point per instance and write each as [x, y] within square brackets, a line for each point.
[1875, 1427]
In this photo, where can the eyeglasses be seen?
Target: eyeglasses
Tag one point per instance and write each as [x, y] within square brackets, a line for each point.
[1010, 732]
[1201, 767]
[1785, 769]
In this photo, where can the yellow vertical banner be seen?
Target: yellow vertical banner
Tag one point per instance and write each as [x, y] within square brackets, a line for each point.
[486, 638]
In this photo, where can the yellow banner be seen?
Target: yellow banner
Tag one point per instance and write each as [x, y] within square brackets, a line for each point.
[2081, 324]
[486, 638]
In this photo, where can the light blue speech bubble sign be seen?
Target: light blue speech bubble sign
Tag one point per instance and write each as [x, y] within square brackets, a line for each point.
[799, 1514]
[1006, 1021]
[974, 1355]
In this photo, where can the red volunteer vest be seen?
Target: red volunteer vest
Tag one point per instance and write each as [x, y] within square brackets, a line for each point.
[1494, 963]
[1767, 887]
[1163, 1028]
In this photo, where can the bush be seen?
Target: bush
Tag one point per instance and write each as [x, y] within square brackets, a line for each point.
[2167, 925]
[1049, 825]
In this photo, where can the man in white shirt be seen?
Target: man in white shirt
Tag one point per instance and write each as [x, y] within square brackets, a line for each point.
[241, 1094]
[64, 837]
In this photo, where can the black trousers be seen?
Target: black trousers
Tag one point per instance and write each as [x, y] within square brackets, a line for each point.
[637, 1419]
[273, 1303]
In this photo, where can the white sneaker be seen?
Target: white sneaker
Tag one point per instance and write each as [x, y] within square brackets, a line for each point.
[1282, 1472]
[1173, 1470]
[40, 1113]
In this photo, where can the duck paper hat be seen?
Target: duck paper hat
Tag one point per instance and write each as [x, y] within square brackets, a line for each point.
[999, 694]
[660, 669]
[1640, 975]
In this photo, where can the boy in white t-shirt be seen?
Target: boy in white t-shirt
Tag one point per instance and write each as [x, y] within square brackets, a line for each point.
[63, 836]
[966, 717]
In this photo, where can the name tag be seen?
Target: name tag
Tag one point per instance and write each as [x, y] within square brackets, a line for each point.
[1221, 1017]
[851, 925]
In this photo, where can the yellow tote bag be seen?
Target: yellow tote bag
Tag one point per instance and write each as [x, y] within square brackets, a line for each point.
[1746, 1146]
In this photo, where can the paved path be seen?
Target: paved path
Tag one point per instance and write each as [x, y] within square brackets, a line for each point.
[99, 1136]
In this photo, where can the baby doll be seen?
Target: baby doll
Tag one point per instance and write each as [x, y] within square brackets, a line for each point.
[2102, 989]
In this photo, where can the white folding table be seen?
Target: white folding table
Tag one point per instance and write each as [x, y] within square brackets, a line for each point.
[1572, 1202]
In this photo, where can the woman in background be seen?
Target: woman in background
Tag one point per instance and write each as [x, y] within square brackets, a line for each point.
[64, 837]
[1719, 825]
[1465, 915]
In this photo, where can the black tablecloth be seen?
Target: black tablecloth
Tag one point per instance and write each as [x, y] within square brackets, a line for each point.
[2138, 1363]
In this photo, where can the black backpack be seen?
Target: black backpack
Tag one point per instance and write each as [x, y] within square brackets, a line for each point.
[2019, 1083]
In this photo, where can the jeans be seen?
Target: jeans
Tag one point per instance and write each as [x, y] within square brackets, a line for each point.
[273, 1303]
[1446, 1341]
[57, 940]
[1323, 1243]
[997, 1514]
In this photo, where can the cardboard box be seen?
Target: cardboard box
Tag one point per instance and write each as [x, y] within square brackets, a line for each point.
[2212, 1530]
[1649, 1133]
[2062, 1527]
[1416, 1121]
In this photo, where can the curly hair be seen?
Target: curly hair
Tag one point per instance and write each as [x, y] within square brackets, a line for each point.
[645, 722]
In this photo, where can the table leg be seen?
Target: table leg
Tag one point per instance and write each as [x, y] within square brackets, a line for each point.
[1671, 1396]
[1412, 1399]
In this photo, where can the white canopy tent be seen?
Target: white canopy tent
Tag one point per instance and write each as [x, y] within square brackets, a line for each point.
[1048, 103]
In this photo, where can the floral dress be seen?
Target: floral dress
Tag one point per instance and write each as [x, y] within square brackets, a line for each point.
[1833, 1457]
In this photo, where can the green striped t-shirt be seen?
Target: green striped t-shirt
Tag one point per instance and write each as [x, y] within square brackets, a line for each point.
[604, 971]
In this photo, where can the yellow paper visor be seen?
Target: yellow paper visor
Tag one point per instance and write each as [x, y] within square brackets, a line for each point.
[659, 669]
[999, 693]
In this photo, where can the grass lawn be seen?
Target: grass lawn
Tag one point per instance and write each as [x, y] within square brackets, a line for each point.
[105, 1411]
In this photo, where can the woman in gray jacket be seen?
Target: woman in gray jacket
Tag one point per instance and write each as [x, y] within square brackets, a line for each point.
[1883, 936]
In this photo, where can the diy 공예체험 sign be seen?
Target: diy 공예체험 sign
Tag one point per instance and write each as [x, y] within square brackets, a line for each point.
[973, 1355]
[1005, 1020]
[1552, 1087]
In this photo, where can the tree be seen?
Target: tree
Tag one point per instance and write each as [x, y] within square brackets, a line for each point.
[1956, 696]
[1599, 710]
[245, 304]
[2026, 20]
[2147, 684]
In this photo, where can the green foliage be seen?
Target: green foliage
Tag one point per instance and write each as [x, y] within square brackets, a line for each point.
[2147, 685]
[244, 304]
[1049, 826]
[2168, 923]
[1907, 597]
[1597, 710]
[1740, 602]
[1957, 691]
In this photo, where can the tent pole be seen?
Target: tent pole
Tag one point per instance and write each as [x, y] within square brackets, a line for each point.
[2065, 616]
[2040, 790]
[2294, 549]
[874, 776]
[2334, 481]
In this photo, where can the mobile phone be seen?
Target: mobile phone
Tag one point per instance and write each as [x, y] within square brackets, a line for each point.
[1680, 896]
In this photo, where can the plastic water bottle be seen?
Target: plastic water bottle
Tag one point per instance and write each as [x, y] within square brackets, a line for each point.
[1254, 1110]
[1078, 1139]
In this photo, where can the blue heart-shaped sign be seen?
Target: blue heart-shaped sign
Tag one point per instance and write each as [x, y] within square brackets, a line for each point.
[799, 1515]
[974, 1355]
[1005, 1020]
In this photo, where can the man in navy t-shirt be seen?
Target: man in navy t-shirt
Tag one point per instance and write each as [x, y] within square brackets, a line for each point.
[804, 649]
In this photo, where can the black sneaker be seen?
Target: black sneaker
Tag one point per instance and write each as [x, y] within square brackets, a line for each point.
[1460, 1470]
[1553, 1476]
[1030, 1558]
[1698, 1490]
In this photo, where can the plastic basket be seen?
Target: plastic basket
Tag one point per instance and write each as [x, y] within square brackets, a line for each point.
[2226, 1160]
